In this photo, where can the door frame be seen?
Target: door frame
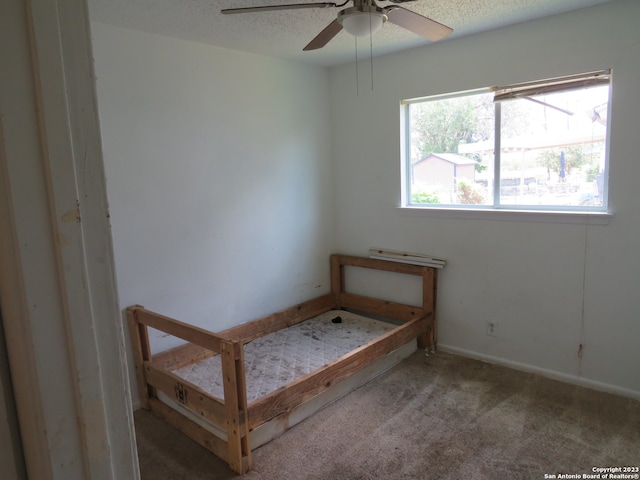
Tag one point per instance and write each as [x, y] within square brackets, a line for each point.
[61, 317]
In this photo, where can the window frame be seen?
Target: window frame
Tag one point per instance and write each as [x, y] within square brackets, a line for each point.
[501, 94]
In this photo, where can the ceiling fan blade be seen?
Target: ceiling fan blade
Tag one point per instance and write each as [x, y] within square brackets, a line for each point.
[269, 8]
[324, 36]
[416, 23]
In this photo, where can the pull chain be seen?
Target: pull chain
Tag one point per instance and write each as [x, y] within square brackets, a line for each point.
[371, 50]
[370, 56]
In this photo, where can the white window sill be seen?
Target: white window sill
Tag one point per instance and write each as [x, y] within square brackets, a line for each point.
[511, 215]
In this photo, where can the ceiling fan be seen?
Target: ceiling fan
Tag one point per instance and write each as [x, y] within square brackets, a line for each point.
[364, 18]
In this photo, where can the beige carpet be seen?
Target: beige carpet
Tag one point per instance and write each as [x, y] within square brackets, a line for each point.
[440, 417]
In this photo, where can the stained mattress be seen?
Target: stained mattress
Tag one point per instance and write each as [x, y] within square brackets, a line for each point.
[279, 358]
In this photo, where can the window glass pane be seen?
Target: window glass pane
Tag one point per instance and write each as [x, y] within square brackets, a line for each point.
[441, 168]
[552, 136]
[553, 149]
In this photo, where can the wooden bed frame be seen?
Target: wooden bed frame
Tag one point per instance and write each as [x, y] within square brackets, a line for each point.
[235, 419]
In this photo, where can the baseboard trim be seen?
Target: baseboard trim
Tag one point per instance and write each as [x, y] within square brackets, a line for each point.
[563, 377]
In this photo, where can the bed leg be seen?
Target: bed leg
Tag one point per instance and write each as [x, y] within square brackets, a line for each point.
[428, 339]
[434, 324]
[141, 353]
[235, 399]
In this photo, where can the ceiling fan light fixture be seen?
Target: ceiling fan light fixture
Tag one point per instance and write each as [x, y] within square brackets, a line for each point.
[362, 21]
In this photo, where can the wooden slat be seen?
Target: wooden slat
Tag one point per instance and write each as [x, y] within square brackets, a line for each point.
[337, 279]
[181, 356]
[376, 264]
[382, 308]
[200, 435]
[195, 399]
[141, 353]
[293, 394]
[279, 320]
[179, 329]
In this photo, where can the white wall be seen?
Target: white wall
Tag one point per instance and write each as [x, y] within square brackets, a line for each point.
[526, 275]
[218, 172]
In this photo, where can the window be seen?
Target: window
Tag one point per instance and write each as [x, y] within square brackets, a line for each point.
[532, 146]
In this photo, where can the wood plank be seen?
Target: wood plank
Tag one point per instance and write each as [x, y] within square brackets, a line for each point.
[428, 289]
[337, 279]
[241, 382]
[141, 353]
[191, 396]
[427, 340]
[234, 393]
[269, 430]
[384, 308]
[433, 339]
[376, 264]
[286, 398]
[191, 429]
[215, 436]
[279, 320]
[179, 329]
[181, 356]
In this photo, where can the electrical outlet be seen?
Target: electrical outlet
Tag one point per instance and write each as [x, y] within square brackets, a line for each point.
[492, 328]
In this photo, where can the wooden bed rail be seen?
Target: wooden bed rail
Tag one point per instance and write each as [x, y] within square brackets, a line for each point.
[338, 259]
[230, 420]
[306, 387]
[384, 308]
[230, 414]
[184, 331]
[247, 332]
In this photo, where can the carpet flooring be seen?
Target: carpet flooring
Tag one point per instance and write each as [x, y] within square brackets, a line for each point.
[442, 417]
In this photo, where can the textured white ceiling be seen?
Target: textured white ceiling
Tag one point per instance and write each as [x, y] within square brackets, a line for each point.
[284, 33]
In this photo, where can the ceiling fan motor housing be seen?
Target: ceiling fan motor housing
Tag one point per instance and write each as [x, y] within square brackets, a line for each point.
[364, 18]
